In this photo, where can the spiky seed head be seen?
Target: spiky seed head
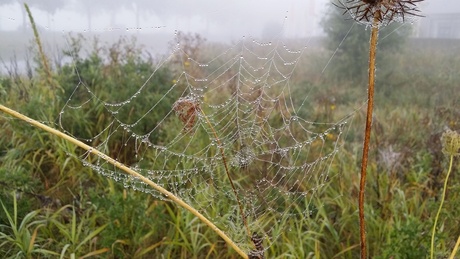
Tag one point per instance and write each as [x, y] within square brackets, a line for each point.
[450, 143]
[385, 11]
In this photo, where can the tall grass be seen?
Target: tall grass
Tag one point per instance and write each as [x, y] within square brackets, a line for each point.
[82, 213]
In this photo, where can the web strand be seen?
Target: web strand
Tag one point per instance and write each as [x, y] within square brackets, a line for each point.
[237, 117]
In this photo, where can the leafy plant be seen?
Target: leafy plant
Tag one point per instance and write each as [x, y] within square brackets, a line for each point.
[75, 236]
[19, 238]
[451, 147]
[349, 44]
[401, 196]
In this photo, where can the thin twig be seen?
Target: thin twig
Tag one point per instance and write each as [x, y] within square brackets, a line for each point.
[454, 251]
[228, 173]
[129, 171]
[367, 134]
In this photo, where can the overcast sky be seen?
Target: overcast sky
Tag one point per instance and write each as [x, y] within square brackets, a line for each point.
[212, 18]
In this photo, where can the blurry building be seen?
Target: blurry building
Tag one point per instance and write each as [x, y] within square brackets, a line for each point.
[441, 20]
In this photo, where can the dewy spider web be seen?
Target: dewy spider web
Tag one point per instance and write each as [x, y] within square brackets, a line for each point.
[276, 158]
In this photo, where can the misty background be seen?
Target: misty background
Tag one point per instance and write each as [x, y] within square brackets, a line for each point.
[154, 23]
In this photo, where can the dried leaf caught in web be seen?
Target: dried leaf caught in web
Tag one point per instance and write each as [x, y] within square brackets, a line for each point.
[187, 110]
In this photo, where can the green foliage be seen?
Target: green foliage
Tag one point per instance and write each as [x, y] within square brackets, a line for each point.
[114, 74]
[402, 197]
[18, 239]
[405, 240]
[76, 237]
[349, 42]
[134, 222]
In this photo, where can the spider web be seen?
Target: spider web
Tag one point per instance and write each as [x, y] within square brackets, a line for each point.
[234, 114]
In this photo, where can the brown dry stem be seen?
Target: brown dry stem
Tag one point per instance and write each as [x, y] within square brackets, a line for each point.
[367, 135]
[228, 173]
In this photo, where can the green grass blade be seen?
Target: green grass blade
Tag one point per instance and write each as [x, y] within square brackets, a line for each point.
[91, 235]
[64, 249]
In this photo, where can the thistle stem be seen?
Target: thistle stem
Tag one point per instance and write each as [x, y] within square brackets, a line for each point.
[440, 207]
[367, 134]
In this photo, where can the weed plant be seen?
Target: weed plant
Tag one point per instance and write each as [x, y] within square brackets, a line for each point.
[62, 208]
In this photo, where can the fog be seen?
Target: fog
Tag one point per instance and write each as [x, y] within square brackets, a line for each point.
[154, 21]
[216, 20]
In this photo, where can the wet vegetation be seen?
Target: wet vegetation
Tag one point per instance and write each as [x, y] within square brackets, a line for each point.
[54, 206]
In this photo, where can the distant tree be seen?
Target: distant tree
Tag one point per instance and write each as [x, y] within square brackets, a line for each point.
[89, 7]
[141, 7]
[49, 6]
[92, 7]
[351, 40]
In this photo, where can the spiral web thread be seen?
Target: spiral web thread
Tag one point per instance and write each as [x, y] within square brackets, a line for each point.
[276, 159]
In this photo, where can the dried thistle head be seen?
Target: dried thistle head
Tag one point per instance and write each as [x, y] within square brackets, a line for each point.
[385, 11]
[187, 108]
[450, 143]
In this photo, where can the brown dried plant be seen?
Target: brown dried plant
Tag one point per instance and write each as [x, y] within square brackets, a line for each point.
[385, 11]
[187, 109]
[258, 252]
[375, 13]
